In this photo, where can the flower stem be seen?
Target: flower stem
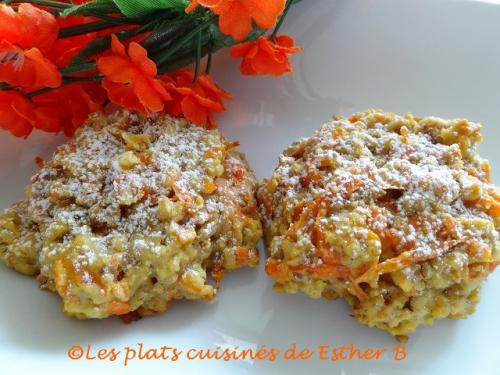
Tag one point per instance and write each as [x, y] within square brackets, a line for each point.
[197, 58]
[66, 82]
[168, 53]
[49, 3]
[78, 68]
[85, 28]
[209, 57]
[282, 18]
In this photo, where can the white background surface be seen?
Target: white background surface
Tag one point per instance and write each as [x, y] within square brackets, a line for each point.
[429, 57]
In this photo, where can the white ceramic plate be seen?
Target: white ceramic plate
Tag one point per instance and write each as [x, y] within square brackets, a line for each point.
[424, 56]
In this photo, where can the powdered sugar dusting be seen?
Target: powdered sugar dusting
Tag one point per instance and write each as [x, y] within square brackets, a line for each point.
[141, 199]
[402, 177]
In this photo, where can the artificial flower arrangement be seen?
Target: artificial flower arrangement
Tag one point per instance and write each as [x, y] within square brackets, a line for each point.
[62, 60]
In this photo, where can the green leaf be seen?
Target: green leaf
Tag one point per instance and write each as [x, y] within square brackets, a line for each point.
[164, 35]
[100, 44]
[138, 8]
[96, 46]
[95, 6]
[184, 41]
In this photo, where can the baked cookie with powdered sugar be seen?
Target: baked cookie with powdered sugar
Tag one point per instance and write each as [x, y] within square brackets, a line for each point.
[396, 214]
[132, 213]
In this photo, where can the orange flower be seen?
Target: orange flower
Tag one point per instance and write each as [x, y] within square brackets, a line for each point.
[266, 57]
[63, 109]
[129, 79]
[25, 34]
[196, 102]
[236, 16]
[67, 108]
[28, 69]
[16, 113]
[28, 27]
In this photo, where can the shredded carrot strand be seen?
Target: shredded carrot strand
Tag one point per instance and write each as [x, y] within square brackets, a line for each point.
[118, 308]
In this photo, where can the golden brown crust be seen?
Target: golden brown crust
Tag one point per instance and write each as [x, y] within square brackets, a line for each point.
[20, 241]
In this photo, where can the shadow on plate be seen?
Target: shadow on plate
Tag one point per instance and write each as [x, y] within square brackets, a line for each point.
[310, 323]
[33, 320]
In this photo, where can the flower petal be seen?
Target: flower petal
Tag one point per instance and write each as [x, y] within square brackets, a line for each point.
[236, 21]
[266, 57]
[196, 101]
[16, 113]
[264, 12]
[116, 46]
[34, 71]
[193, 111]
[28, 27]
[117, 68]
[139, 56]
[123, 95]
[136, 73]
[66, 108]
[149, 97]
[241, 50]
